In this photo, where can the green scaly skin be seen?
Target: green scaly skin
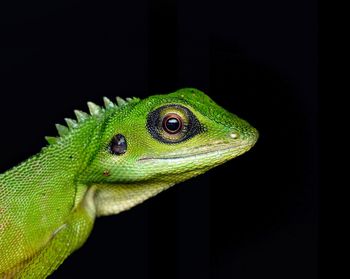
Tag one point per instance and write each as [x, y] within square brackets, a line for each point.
[48, 203]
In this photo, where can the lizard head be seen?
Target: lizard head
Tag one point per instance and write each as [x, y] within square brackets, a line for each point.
[166, 139]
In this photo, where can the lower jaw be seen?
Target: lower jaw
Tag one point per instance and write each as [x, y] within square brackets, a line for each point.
[234, 151]
[191, 166]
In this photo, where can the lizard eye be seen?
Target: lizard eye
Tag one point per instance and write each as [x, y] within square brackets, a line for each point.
[173, 124]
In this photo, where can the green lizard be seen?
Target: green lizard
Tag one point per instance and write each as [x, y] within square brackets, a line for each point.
[105, 163]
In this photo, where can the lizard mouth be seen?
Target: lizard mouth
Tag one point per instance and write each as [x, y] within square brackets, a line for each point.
[210, 150]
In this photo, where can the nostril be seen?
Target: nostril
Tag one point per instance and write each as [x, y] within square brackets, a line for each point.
[234, 135]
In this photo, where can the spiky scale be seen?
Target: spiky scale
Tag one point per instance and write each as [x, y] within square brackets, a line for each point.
[51, 140]
[128, 99]
[81, 116]
[120, 101]
[71, 123]
[94, 109]
[108, 103]
[62, 130]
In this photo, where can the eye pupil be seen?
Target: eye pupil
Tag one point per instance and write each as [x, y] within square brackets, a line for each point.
[172, 124]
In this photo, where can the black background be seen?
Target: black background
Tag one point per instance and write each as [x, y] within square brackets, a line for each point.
[254, 217]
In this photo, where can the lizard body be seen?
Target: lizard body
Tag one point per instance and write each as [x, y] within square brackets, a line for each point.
[105, 163]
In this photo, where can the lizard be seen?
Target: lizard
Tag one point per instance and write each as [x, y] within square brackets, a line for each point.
[104, 163]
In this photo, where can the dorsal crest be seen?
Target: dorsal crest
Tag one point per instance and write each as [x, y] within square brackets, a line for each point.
[95, 111]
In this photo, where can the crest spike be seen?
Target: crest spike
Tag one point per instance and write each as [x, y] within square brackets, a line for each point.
[120, 101]
[71, 123]
[62, 130]
[93, 108]
[108, 103]
[51, 140]
[81, 116]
